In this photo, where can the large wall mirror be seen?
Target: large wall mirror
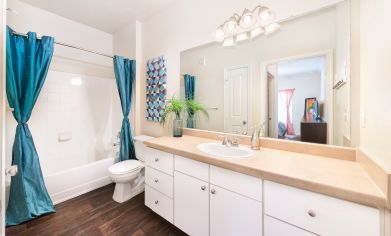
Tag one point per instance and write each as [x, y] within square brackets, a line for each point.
[293, 84]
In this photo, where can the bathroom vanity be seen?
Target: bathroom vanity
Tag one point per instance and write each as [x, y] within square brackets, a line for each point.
[273, 192]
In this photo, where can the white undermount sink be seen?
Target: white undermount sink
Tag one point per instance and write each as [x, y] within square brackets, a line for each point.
[219, 150]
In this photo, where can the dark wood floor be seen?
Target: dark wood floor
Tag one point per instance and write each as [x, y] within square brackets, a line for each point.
[95, 213]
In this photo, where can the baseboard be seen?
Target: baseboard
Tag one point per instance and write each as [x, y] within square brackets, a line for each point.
[79, 190]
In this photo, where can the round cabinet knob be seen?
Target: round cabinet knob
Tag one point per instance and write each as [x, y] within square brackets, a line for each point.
[311, 213]
[203, 188]
[156, 202]
[212, 191]
[156, 180]
[156, 159]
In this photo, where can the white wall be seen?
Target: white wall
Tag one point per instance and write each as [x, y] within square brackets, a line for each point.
[342, 72]
[375, 82]
[176, 29]
[306, 85]
[29, 18]
[308, 34]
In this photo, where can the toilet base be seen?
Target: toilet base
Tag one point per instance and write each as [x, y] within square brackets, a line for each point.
[125, 191]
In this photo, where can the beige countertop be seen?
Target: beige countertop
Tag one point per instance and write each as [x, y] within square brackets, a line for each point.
[344, 179]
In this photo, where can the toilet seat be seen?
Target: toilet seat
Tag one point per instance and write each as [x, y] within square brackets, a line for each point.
[125, 167]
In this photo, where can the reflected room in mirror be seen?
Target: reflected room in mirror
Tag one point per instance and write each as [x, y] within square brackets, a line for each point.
[293, 84]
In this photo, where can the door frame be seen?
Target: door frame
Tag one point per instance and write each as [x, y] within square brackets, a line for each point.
[249, 93]
[329, 82]
[3, 10]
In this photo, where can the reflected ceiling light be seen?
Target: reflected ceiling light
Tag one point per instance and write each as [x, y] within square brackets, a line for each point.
[247, 19]
[256, 32]
[219, 34]
[266, 16]
[231, 25]
[249, 25]
[76, 81]
[229, 42]
[241, 37]
[271, 28]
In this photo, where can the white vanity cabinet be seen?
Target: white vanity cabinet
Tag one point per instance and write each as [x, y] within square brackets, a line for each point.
[191, 204]
[203, 199]
[159, 182]
[317, 213]
[213, 201]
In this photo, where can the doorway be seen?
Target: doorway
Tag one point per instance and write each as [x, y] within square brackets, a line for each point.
[236, 101]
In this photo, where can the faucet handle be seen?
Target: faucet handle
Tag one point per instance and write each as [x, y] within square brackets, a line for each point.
[235, 139]
[226, 141]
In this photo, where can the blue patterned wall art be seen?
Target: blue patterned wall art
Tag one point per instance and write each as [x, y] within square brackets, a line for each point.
[156, 88]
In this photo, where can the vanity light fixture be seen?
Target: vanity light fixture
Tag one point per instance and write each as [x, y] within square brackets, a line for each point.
[249, 25]
[271, 28]
[229, 42]
[242, 37]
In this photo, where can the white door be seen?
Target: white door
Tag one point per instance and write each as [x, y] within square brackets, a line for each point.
[236, 99]
[234, 214]
[191, 204]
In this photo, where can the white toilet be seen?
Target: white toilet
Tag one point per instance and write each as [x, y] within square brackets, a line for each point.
[128, 176]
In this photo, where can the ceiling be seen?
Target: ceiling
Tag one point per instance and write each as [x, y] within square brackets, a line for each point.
[300, 66]
[105, 15]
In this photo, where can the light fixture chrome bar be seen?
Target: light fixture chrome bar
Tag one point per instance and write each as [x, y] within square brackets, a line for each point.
[72, 46]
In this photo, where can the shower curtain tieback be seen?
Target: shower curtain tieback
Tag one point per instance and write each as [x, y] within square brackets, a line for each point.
[28, 60]
[124, 70]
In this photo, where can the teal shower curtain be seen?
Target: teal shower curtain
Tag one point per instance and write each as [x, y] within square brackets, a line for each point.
[189, 86]
[125, 70]
[189, 95]
[28, 60]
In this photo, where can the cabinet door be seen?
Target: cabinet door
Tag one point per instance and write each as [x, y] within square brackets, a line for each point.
[191, 204]
[234, 214]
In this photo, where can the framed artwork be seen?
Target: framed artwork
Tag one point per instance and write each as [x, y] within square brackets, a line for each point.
[156, 88]
[311, 109]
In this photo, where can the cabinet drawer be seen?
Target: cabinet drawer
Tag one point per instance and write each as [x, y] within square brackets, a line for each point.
[234, 181]
[159, 160]
[193, 168]
[274, 227]
[319, 213]
[160, 181]
[159, 203]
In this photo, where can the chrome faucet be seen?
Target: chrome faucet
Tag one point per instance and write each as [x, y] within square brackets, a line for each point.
[226, 141]
[230, 142]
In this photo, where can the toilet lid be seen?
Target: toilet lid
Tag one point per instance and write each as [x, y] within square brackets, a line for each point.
[125, 166]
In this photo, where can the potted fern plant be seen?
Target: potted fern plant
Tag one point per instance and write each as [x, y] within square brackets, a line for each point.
[193, 109]
[174, 107]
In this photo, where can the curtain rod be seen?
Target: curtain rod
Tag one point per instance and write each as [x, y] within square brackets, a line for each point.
[71, 46]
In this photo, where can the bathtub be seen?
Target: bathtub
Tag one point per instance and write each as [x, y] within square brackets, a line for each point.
[76, 181]
[73, 182]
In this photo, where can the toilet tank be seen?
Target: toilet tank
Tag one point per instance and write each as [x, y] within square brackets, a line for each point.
[139, 145]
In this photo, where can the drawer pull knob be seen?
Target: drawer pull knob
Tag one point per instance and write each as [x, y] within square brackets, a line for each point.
[212, 191]
[156, 159]
[156, 202]
[156, 180]
[311, 213]
[203, 188]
